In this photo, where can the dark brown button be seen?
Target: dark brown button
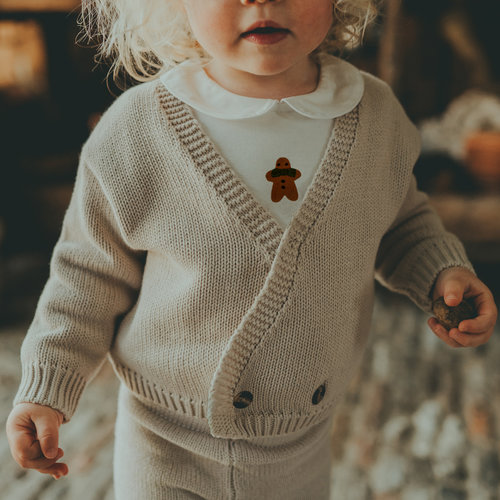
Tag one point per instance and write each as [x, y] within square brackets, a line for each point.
[318, 394]
[243, 399]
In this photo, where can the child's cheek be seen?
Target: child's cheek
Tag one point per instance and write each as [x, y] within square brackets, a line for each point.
[212, 32]
[317, 23]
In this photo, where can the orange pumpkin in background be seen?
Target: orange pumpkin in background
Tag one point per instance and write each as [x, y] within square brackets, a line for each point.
[482, 158]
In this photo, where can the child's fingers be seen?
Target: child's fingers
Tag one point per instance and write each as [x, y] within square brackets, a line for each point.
[469, 339]
[47, 433]
[23, 444]
[26, 459]
[33, 433]
[55, 470]
[478, 325]
[442, 333]
[453, 292]
[485, 321]
[454, 337]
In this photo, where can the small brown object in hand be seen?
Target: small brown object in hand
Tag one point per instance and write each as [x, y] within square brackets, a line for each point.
[450, 317]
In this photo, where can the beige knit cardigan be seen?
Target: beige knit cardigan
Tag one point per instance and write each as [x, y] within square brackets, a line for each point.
[168, 264]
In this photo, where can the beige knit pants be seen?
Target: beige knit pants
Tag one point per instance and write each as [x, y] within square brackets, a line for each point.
[160, 455]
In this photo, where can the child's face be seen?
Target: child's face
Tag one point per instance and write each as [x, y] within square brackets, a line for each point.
[224, 28]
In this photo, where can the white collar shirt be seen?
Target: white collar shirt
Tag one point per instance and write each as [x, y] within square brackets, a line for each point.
[253, 134]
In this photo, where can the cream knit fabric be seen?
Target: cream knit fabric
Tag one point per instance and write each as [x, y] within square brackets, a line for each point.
[206, 307]
[165, 455]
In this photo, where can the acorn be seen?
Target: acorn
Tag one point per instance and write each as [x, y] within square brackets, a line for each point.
[450, 317]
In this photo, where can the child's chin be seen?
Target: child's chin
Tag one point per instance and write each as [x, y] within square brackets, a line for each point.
[268, 66]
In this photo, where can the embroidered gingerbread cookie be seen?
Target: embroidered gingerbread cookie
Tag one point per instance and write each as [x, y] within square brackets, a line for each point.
[283, 178]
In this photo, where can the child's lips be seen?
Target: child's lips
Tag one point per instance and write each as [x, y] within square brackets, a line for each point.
[265, 33]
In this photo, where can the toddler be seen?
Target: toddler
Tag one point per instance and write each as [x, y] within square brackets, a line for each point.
[229, 216]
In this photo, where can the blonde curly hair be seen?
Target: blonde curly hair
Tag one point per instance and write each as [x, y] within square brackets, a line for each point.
[135, 38]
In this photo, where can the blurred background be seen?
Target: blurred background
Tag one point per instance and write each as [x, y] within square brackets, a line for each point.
[420, 420]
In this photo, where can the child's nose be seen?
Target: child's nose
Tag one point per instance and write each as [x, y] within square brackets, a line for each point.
[249, 2]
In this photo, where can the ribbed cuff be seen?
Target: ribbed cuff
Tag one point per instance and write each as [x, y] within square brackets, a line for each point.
[51, 386]
[433, 256]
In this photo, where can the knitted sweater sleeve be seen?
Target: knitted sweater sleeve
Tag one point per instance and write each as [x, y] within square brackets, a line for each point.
[416, 248]
[94, 280]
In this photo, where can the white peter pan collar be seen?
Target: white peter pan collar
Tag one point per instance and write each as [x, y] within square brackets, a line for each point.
[340, 89]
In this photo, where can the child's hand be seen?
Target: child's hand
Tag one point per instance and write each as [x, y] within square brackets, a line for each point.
[454, 284]
[33, 435]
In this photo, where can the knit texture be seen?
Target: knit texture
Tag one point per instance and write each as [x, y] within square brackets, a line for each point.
[252, 151]
[162, 455]
[168, 264]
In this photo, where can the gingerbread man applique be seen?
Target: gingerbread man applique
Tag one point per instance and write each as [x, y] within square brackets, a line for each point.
[283, 178]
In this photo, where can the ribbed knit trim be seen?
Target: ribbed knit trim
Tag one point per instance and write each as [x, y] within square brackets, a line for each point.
[224, 419]
[258, 425]
[253, 425]
[140, 385]
[433, 257]
[282, 249]
[51, 386]
[265, 229]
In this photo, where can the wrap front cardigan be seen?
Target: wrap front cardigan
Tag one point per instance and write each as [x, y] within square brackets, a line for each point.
[168, 265]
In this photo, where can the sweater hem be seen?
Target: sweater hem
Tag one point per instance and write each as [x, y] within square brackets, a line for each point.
[266, 425]
[222, 426]
[159, 395]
